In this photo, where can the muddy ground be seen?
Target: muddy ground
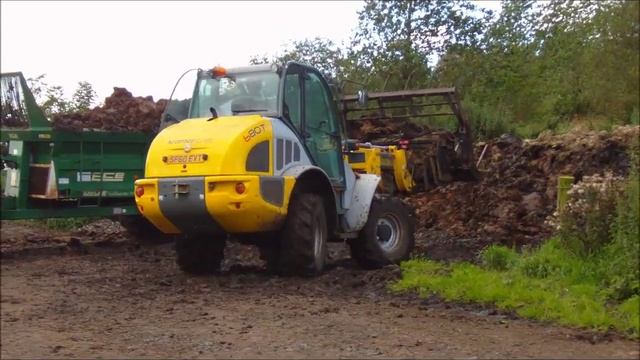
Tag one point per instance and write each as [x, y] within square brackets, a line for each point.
[88, 296]
[98, 292]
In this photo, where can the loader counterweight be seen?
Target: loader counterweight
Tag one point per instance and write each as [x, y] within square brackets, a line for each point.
[213, 205]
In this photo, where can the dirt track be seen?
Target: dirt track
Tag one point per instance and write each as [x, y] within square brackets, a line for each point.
[127, 300]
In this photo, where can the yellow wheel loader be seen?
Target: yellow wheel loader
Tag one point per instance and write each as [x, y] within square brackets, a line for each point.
[259, 154]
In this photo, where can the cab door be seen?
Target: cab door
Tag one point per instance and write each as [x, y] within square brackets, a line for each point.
[321, 127]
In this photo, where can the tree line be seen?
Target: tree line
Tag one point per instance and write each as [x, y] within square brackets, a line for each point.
[532, 66]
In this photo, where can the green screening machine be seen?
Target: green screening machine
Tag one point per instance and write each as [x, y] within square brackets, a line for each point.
[50, 173]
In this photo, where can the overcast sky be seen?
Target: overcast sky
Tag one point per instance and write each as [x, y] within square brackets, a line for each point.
[145, 46]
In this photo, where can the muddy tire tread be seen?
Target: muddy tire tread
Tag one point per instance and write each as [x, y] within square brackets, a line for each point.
[295, 253]
[366, 251]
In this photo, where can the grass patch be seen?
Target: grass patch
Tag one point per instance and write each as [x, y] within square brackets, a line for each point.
[549, 284]
[67, 224]
[498, 257]
[587, 276]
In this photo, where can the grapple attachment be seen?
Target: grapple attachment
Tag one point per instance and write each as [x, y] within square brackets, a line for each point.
[428, 123]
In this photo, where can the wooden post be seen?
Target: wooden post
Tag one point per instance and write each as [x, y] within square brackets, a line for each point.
[564, 184]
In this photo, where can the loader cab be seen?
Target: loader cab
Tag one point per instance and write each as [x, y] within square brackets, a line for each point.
[307, 103]
[296, 93]
[239, 91]
[221, 92]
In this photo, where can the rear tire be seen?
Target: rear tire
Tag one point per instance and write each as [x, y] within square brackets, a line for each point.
[387, 237]
[199, 254]
[302, 246]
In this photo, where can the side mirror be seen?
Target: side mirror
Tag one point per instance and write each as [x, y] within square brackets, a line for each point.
[363, 98]
[167, 120]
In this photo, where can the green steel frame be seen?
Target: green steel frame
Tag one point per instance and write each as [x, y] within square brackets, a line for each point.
[93, 171]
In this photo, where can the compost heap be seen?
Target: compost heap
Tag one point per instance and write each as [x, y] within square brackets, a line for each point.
[517, 191]
[121, 112]
[383, 130]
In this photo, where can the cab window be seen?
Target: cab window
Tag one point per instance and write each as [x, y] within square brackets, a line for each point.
[292, 99]
[319, 114]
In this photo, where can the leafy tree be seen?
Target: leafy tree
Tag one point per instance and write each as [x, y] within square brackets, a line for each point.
[510, 74]
[395, 40]
[37, 86]
[83, 97]
[536, 65]
[49, 97]
[261, 59]
[611, 61]
[52, 100]
[323, 54]
[541, 64]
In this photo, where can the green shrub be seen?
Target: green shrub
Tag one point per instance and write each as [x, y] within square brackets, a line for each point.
[498, 257]
[585, 222]
[629, 314]
[600, 223]
[634, 118]
[538, 267]
[488, 122]
[551, 259]
[620, 260]
[533, 129]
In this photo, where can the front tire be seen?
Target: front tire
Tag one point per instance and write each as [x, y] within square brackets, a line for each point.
[387, 237]
[199, 255]
[302, 246]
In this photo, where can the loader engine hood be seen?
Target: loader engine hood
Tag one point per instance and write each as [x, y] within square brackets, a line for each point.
[228, 145]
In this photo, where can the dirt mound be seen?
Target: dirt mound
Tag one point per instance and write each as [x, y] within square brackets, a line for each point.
[386, 129]
[121, 112]
[518, 188]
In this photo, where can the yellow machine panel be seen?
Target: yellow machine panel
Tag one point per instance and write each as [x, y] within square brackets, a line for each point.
[372, 159]
[200, 147]
[236, 211]
[148, 205]
[247, 212]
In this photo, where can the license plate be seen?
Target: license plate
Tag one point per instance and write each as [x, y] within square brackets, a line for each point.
[185, 159]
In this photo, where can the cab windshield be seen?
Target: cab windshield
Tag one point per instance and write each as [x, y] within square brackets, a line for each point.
[235, 93]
